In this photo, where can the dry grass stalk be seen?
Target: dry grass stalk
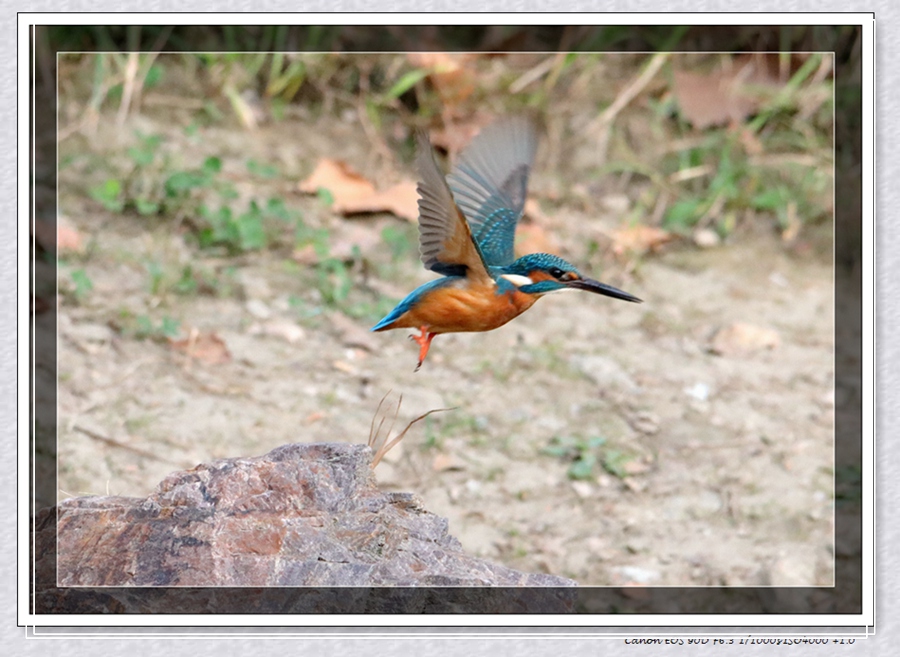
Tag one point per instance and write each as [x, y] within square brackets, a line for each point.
[386, 444]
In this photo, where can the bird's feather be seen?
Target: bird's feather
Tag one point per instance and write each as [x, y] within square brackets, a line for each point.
[445, 240]
[490, 183]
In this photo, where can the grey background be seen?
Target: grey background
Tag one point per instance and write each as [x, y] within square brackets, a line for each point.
[887, 398]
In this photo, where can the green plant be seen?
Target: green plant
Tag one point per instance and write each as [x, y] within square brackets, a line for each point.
[199, 197]
[262, 170]
[155, 270]
[584, 454]
[333, 281]
[144, 327]
[109, 195]
[149, 187]
[83, 284]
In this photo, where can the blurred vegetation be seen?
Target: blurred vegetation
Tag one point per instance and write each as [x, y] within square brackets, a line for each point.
[773, 169]
[584, 455]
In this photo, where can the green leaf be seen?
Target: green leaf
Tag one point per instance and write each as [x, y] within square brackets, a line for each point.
[770, 199]
[109, 195]
[560, 451]
[144, 326]
[275, 207]
[169, 327]
[614, 463]
[228, 193]
[154, 76]
[261, 169]
[141, 156]
[406, 82]
[187, 284]
[83, 284]
[182, 182]
[212, 165]
[145, 206]
[583, 468]
[156, 276]
[250, 231]
[682, 215]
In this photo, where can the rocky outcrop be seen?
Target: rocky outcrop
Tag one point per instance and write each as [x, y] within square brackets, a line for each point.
[303, 515]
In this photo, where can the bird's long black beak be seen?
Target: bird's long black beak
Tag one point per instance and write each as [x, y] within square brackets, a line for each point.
[590, 285]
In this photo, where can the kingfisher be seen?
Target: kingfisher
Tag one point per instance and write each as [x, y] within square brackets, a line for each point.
[467, 226]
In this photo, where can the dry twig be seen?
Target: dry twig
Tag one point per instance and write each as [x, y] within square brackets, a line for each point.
[387, 443]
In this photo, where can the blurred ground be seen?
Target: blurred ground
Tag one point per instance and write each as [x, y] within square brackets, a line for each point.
[713, 399]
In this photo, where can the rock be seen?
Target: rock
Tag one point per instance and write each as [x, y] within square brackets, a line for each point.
[706, 238]
[303, 515]
[279, 328]
[743, 338]
[637, 575]
[583, 489]
[258, 309]
[699, 391]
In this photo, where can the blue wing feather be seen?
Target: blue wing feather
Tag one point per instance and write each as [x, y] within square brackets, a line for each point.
[490, 183]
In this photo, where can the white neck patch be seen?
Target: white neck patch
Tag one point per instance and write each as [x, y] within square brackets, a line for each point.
[518, 280]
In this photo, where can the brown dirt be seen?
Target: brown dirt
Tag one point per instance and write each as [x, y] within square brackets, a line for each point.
[727, 460]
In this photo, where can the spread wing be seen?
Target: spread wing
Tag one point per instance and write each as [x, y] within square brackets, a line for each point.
[445, 241]
[490, 183]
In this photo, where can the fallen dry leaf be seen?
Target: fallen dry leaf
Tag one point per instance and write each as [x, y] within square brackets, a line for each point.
[456, 135]
[639, 239]
[449, 75]
[708, 99]
[205, 347]
[355, 194]
[401, 200]
[722, 96]
[338, 178]
[741, 338]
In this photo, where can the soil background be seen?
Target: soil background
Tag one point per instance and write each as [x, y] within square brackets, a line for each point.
[716, 466]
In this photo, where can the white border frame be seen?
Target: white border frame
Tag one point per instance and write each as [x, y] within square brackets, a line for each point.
[866, 618]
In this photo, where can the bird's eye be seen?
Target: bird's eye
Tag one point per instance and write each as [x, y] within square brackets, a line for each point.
[556, 272]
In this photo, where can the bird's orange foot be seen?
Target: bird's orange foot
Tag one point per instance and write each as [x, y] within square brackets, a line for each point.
[424, 342]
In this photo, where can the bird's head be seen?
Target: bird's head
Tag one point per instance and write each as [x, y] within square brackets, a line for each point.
[541, 273]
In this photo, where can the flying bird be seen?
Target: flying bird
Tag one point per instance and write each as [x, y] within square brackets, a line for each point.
[467, 226]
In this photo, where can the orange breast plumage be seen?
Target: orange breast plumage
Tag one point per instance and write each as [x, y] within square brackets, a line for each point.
[461, 308]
